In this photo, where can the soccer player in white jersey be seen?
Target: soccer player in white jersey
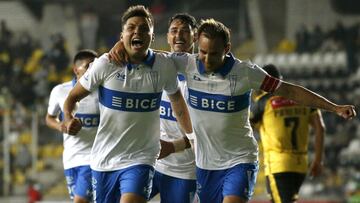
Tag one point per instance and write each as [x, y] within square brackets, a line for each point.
[219, 88]
[218, 94]
[127, 142]
[76, 155]
[174, 176]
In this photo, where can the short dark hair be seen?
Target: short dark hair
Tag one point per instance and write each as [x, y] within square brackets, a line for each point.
[85, 54]
[213, 29]
[272, 70]
[137, 11]
[185, 18]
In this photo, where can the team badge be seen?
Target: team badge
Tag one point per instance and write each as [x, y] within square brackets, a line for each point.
[233, 79]
[154, 76]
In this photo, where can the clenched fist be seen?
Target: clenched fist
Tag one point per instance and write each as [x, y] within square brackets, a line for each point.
[73, 126]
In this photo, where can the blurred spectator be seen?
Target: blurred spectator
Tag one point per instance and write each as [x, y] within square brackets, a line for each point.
[302, 39]
[108, 34]
[19, 84]
[316, 38]
[89, 24]
[331, 45]
[5, 64]
[351, 48]
[58, 54]
[286, 46]
[5, 54]
[339, 32]
[23, 158]
[24, 46]
[5, 33]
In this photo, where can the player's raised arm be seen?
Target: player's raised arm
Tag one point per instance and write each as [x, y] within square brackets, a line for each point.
[72, 124]
[306, 97]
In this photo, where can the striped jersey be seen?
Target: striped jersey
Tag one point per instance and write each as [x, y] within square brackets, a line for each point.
[219, 109]
[76, 148]
[284, 129]
[129, 101]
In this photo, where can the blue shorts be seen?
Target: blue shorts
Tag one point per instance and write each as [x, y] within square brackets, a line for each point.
[173, 190]
[110, 185]
[79, 182]
[214, 185]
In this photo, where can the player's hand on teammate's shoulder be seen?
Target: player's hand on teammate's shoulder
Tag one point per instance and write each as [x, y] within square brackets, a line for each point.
[73, 126]
[118, 55]
[346, 111]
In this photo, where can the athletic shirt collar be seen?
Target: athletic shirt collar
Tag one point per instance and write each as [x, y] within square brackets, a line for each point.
[73, 81]
[224, 70]
[149, 60]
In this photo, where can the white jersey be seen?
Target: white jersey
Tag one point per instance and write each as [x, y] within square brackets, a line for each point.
[219, 109]
[181, 164]
[76, 148]
[129, 99]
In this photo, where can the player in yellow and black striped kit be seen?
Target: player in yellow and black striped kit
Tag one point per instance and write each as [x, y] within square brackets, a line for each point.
[284, 129]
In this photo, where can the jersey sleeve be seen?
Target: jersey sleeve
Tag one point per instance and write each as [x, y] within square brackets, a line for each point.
[171, 85]
[259, 79]
[54, 106]
[96, 73]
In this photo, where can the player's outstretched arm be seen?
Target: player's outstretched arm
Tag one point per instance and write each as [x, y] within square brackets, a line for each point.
[72, 124]
[308, 98]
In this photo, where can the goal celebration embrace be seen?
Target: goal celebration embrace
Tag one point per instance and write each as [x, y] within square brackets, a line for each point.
[182, 102]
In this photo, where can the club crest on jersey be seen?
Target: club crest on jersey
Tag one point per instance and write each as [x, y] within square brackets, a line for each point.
[217, 102]
[232, 79]
[154, 76]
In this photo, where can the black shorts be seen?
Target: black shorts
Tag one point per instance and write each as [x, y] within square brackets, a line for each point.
[284, 187]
